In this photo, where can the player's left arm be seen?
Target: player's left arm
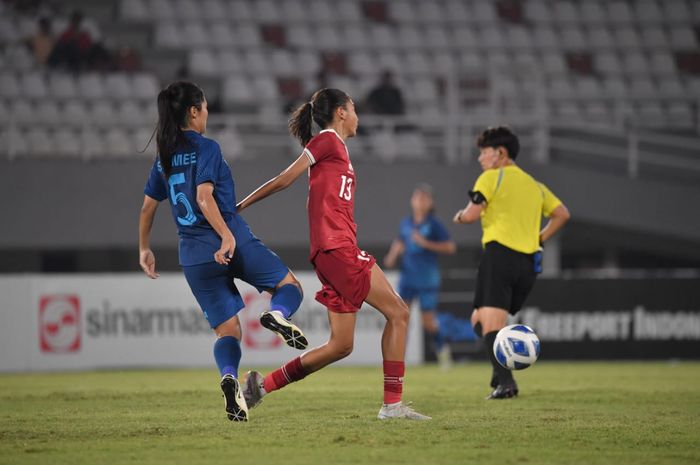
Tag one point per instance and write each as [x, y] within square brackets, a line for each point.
[438, 240]
[147, 259]
[555, 210]
[280, 182]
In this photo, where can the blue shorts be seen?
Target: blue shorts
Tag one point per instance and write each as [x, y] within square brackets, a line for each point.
[427, 297]
[213, 287]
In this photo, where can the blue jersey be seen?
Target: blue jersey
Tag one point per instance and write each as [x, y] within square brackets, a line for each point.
[200, 163]
[419, 266]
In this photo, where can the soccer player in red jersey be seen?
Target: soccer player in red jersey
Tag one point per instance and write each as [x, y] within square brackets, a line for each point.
[349, 275]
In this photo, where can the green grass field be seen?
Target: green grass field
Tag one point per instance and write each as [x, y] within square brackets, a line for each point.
[587, 413]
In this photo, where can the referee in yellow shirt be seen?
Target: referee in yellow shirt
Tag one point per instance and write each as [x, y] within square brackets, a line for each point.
[510, 204]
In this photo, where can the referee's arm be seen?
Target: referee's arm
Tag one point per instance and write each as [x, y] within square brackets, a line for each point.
[469, 214]
[557, 219]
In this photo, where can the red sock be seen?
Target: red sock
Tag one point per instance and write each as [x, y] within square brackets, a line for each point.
[292, 371]
[393, 381]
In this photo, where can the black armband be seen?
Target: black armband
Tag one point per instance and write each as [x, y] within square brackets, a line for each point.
[477, 197]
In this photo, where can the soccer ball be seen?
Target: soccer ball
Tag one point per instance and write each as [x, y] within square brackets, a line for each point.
[516, 347]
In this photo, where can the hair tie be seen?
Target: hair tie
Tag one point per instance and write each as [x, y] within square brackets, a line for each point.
[312, 105]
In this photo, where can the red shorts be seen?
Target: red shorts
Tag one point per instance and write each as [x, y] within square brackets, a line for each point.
[345, 274]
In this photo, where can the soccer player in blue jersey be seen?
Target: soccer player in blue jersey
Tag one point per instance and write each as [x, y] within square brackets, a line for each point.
[421, 238]
[216, 244]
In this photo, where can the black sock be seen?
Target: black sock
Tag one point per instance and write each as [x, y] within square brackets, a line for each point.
[504, 375]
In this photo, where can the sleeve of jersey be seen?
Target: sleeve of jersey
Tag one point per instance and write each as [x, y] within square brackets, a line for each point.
[440, 234]
[318, 148]
[208, 162]
[155, 186]
[486, 184]
[550, 201]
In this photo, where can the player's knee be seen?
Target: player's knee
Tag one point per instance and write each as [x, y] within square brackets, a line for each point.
[400, 313]
[342, 349]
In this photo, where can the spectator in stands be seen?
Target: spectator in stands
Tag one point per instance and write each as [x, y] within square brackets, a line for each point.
[510, 205]
[42, 42]
[73, 46]
[386, 98]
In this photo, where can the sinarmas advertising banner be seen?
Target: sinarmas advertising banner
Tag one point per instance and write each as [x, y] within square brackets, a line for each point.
[58, 322]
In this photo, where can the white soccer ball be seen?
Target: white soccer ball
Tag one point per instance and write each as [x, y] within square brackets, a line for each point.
[516, 347]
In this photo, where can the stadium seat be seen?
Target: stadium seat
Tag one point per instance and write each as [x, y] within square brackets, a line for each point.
[424, 90]
[309, 63]
[600, 38]
[168, 36]
[484, 12]
[355, 37]
[677, 11]
[650, 114]
[230, 142]
[573, 38]
[221, 34]
[75, 113]
[67, 143]
[519, 38]
[592, 12]
[348, 12]
[241, 11]
[119, 143]
[417, 63]
[443, 62]
[410, 37]
[607, 63]
[145, 86]
[266, 11]
[322, 12]
[642, 87]
[635, 63]
[382, 36]
[203, 62]
[619, 12]
[654, 37]
[411, 145]
[647, 12]
[41, 143]
[598, 112]
[62, 86]
[588, 88]
[9, 85]
[553, 63]
[247, 36]
[671, 87]
[17, 144]
[327, 38]
[162, 10]
[683, 38]
[92, 143]
[457, 11]
[436, 38]
[91, 86]
[680, 114]
[362, 63]
[614, 87]
[294, 12]
[237, 89]
[626, 37]
[213, 10]
[561, 88]
[47, 113]
[662, 63]
[491, 38]
[196, 35]
[402, 12]
[388, 60]
[130, 114]
[103, 113]
[256, 62]
[283, 63]
[545, 38]
[23, 111]
[430, 12]
[464, 38]
[187, 10]
[565, 12]
[301, 36]
[34, 85]
[118, 86]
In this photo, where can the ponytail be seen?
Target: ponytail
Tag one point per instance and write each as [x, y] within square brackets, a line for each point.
[300, 123]
[174, 103]
[319, 109]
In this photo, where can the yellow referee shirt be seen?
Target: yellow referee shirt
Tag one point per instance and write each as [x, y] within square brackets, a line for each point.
[515, 205]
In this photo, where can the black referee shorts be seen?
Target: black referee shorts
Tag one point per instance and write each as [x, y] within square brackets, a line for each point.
[505, 278]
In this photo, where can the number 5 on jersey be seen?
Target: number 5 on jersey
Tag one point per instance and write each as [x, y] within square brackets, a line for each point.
[180, 197]
[345, 187]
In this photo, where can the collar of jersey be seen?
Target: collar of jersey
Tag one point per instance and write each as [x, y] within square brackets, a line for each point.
[333, 131]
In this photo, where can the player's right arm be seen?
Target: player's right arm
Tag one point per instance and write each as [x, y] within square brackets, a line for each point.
[283, 180]
[146, 258]
[395, 251]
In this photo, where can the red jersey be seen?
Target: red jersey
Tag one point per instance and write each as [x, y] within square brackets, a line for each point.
[331, 202]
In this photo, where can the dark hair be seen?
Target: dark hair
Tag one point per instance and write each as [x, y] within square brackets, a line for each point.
[320, 108]
[173, 104]
[500, 136]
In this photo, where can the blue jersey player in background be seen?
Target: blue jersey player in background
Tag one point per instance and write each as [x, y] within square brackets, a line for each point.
[216, 245]
[421, 238]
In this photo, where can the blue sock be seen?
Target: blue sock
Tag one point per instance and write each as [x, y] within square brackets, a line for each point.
[227, 353]
[286, 299]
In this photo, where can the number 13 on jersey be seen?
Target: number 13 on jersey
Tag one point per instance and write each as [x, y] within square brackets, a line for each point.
[345, 187]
